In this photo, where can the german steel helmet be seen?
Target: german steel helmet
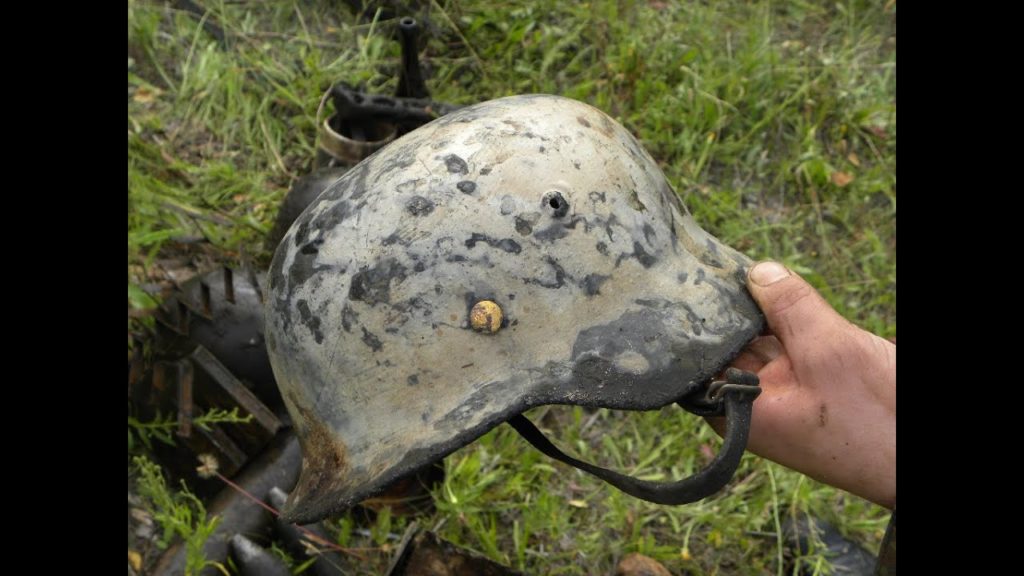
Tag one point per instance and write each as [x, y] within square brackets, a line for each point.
[515, 253]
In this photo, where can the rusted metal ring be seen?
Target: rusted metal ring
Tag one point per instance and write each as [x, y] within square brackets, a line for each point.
[723, 388]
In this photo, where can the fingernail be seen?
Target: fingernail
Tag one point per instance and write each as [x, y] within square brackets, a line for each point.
[768, 273]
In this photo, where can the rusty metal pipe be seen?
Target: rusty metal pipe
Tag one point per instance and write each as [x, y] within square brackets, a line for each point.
[410, 82]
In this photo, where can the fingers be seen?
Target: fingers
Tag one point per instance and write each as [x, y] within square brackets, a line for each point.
[797, 315]
[758, 353]
[749, 362]
[765, 348]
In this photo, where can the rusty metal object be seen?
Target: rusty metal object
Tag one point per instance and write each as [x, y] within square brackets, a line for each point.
[195, 384]
[407, 113]
[217, 387]
[278, 465]
[364, 123]
[209, 354]
[613, 295]
[410, 82]
[424, 553]
[222, 311]
[345, 142]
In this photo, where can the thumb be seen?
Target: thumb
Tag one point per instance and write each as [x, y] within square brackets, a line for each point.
[798, 316]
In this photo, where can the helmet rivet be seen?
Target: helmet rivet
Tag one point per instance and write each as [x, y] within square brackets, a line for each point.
[485, 316]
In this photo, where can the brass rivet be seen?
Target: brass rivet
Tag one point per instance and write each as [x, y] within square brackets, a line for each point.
[485, 316]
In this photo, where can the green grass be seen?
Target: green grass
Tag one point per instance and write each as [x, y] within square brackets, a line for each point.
[776, 123]
[179, 513]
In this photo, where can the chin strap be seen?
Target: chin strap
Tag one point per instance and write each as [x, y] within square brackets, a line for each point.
[737, 393]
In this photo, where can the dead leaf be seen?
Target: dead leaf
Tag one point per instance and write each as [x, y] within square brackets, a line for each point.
[841, 178]
[640, 565]
[135, 560]
[146, 94]
[852, 157]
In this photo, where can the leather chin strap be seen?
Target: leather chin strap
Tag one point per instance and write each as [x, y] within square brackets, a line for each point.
[737, 393]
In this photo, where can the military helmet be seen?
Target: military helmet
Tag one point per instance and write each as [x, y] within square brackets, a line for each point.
[519, 252]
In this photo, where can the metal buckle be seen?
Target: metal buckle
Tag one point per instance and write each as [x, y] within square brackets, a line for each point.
[736, 381]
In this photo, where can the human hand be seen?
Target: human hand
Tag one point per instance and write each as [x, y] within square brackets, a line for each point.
[828, 402]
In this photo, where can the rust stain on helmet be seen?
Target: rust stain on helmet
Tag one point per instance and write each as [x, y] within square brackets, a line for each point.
[324, 457]
[610, 294]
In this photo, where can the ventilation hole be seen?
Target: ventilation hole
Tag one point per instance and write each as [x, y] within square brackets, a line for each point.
[557, 203]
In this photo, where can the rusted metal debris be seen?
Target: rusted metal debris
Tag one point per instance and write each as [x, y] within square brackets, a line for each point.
[364, 123]
[222, 311]
[209, 354]
[193, 385]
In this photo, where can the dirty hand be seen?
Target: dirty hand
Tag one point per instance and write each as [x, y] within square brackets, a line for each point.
[828, 406]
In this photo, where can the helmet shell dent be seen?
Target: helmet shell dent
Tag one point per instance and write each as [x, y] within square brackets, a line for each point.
[610, 294]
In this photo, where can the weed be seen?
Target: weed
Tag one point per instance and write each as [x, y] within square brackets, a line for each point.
[180, 514]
